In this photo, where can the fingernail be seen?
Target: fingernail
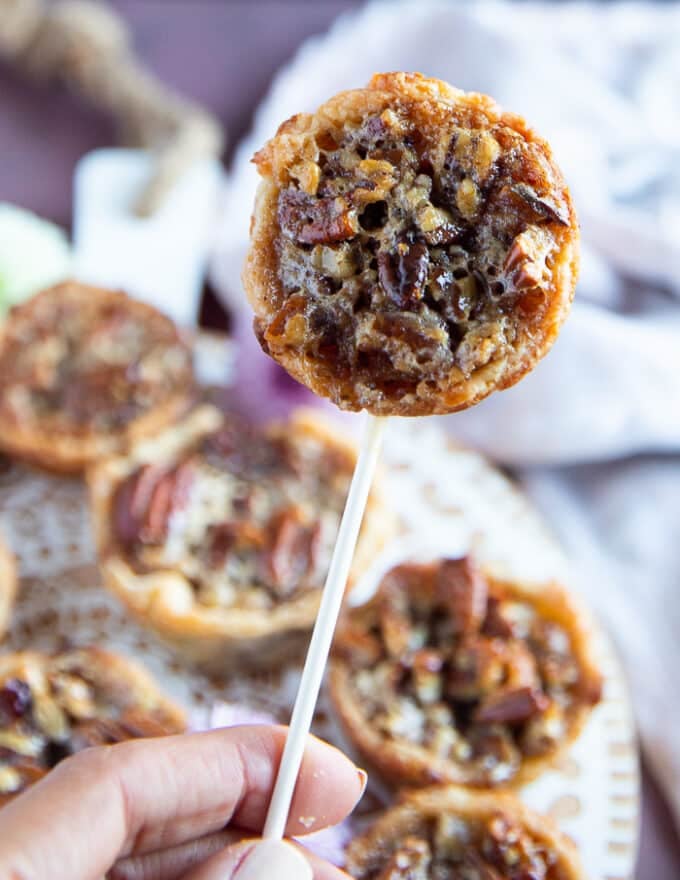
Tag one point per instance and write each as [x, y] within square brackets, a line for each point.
[274, 858]
[363, 780]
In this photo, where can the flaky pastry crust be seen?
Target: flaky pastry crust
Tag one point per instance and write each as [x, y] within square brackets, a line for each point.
[448, 824]
[434, 683]
[413, 247]
[229, 623]
[85, 372]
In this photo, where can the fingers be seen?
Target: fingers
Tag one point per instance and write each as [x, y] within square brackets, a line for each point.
[151, 795]
[177, 863]
[263, 860]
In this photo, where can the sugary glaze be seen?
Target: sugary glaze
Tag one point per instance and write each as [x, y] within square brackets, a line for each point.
[447, 675]
[54, 706]
[413, 247]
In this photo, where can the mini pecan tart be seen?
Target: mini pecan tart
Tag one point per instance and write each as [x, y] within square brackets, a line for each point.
[413, 248]
[450, 676]
[85, 371]
[452, 832]
[218, 534]
[8, 585]
[52, 706]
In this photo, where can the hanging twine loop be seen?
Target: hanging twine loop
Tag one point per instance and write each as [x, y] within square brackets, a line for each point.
[87, 46]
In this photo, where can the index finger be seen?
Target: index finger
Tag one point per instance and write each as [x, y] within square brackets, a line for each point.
[146, 795]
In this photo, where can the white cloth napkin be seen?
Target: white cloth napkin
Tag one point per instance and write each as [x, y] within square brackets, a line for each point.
[603, 85]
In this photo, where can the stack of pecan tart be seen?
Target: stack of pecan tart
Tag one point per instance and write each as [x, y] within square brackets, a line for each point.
[218, 534]
[54, 706]
[84, 372]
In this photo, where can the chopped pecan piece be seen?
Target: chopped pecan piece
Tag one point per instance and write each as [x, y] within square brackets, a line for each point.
[512, 851]
[310, 220]
[497, 623]
[395, 627]
[475, 867]
[410, 862]
[494, 751]
[403, 272]
[544, 730]
[462, 589]
[361, 648]
[225, 537]
[543, 206]
[511, 706]
[15, 700]
[477, 667]
[426, 669]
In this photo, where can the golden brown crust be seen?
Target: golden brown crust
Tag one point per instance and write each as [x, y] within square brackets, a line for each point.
[368, 854]
[209, 635]
[52, 706]
[52, 439]
[402, 762]
[8, 586]
[283, 317]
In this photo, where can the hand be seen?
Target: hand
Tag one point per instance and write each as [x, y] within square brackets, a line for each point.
[178, 807]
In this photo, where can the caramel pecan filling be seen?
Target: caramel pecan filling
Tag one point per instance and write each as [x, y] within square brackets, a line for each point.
[454, 848]
[51, 708]
[404, 254]
[476, 675]
[86, 360]
[248, 516]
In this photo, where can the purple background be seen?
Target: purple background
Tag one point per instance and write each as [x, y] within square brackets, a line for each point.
[224, 54]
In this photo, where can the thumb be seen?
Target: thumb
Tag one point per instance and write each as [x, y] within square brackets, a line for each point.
[255, 860]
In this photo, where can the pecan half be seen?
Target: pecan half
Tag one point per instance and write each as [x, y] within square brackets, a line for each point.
[461, 588]
[144, 502]
[511, 706]
[403, 272]
[292, 552]
[310, 220]
[543, 206]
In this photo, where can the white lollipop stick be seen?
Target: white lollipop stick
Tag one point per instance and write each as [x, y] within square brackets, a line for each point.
[320, 645]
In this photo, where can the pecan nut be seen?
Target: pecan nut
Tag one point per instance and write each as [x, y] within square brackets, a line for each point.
[403, 272]
[462, 589]
[309, 220]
